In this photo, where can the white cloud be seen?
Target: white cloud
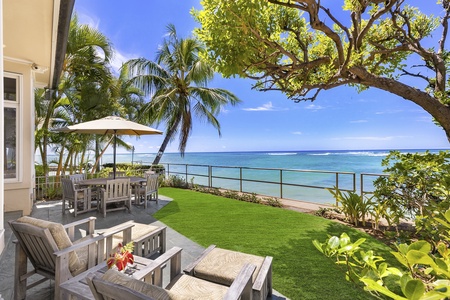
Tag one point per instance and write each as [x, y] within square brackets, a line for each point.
[265, 107]
[119, 58]
[314, 107]
[359, 121]
[396, 111]
[297, 132]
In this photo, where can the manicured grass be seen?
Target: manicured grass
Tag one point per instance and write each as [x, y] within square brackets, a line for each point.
[299, 270]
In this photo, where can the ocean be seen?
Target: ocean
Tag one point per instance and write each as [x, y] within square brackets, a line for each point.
[304, 175]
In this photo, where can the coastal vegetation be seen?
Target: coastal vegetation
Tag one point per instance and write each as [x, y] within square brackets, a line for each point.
[416, 188]
[304, 47]
[171, 90]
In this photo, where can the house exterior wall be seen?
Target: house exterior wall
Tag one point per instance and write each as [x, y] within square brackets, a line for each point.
[18, 194]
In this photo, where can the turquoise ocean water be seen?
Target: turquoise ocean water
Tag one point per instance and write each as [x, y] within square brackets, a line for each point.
[274, 167]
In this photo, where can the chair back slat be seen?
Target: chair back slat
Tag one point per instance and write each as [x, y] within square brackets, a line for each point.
[152, 182]
[38, 245]
[68, 188]
[77, 177]
[118, 188]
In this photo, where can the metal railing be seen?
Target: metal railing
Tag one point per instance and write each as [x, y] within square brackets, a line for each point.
[305, 185]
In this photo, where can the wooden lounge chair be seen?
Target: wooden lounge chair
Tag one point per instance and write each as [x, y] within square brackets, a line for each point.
[222, 266]
[53, 252]
[116, 191]
[116, 285]
[148, 239]
[148, 191]
[78, 198]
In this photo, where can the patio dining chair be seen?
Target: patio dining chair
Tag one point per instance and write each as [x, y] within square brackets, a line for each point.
[76, 198]
[147, 191]
[222, 266]
[117, 192]
[116, 285]
[54, 253]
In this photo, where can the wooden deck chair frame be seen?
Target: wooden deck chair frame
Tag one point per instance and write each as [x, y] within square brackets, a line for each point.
[37, 245]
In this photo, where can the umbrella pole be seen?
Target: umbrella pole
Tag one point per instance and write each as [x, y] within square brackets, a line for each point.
[114, 154]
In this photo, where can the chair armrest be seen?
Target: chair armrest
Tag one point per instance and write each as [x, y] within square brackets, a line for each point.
[241, 288]
[79, 245]
[152, 273]
[108, 233]
[70, 227]
[190, 268]
[265, 274]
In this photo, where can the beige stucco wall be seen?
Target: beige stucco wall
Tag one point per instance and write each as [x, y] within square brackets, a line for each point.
[18, 195]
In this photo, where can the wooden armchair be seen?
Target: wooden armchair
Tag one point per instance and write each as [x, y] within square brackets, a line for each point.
[54, 253]
[78, 198]
[148, 239]
[148, 283]
[116, 191]
[222, 266]
[147, 191]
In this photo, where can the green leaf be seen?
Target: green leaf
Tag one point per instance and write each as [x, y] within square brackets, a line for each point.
[318, 245]
[422, 246]
[400, 258]
[414, 289]
[333, 242]
[418, 257]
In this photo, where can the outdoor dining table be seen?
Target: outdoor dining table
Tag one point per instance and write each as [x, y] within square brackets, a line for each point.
[100, 182]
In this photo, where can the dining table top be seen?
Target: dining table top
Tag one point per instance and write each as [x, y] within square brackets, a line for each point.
[103, 180]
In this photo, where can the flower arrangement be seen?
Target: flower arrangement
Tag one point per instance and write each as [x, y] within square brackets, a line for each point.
[122, 257]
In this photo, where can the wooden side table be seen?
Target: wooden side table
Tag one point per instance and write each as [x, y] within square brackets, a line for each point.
[77, 287]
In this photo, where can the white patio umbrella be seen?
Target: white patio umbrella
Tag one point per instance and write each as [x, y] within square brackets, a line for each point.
[111, 125]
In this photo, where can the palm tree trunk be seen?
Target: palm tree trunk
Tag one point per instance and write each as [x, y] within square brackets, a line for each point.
[164, 144]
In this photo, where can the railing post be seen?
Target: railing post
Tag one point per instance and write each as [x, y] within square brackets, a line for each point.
[281, 183]
[337, 180]
[361, 185]
[186, 176]
[210, 176]
[354, 182]
[240, 179]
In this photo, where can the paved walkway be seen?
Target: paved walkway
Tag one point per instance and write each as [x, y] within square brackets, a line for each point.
[52, 211]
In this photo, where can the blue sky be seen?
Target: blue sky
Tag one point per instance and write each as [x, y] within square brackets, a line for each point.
[340, 119]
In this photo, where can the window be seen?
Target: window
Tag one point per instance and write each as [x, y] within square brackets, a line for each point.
[11, 99]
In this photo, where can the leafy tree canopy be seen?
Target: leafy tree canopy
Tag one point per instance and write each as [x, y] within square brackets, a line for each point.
[304, 47]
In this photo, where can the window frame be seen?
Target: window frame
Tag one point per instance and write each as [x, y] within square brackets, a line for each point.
[18, 105]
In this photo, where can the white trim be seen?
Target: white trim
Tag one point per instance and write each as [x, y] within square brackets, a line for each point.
[2, 130]
[18, 105]
[18, 60]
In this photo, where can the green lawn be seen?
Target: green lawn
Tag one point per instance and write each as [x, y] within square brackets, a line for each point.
[299, 270]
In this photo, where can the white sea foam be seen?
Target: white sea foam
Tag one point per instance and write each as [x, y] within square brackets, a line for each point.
[355, 153]
[282, 153]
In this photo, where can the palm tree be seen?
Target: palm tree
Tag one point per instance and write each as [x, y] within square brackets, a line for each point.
[85, 65]
[177, 84]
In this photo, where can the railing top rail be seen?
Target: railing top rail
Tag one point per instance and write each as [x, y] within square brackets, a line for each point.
[374, 174]
[264, 169]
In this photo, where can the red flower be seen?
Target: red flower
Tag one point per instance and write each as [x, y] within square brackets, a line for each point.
[122, 257]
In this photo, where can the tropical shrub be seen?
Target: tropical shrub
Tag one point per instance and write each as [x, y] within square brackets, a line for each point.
[417, 187]
[424, 274]
[353, 206]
